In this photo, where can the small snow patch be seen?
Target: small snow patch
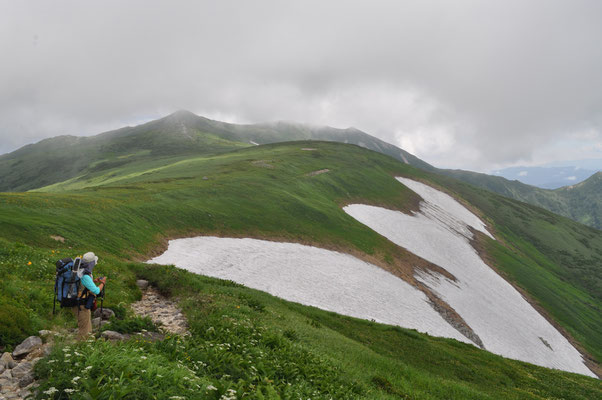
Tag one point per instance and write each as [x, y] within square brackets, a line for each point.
[58, 238]
[318, 172]
[405, 160]
[253, 143]
[308, 149]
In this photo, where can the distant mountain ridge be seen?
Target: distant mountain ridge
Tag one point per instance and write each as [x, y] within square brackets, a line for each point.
[183, 133]
[547, 177]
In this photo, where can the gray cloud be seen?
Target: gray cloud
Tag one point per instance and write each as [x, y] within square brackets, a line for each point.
[471, 84]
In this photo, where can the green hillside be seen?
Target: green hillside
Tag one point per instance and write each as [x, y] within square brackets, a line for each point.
[581, 202]
[64, 157]
[126, 212]
[184, 133]
[180, 134]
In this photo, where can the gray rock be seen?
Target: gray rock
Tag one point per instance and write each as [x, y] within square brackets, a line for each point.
[5, 383]
[2, 368]
[112, 335]
[7, 361]
[6, 374]
[47, 349]
[103, 323]
[22, 369]
[26, 380]
[95, 322]
[153, 336]
[44, 333]
[27, 346]
[142, 284]
[106, 313]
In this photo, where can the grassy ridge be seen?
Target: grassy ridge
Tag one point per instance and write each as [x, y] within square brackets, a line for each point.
[265, 192]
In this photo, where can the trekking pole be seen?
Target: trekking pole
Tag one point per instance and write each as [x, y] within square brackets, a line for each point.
[102, 299]
[54, 302]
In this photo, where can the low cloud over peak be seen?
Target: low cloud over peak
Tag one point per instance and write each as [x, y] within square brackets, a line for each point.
[466, 84]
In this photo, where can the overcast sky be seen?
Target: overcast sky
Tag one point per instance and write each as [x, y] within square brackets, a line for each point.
[465, 84]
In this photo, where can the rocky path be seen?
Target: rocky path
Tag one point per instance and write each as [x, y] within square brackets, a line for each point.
[16, 368]
[163, 312]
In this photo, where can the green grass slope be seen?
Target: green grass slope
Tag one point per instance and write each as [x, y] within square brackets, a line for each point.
[265, 191]
[58, 159]
[581, 202]
[263, 347]
[183, 133]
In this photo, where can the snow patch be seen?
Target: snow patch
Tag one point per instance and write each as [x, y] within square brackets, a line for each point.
[318, 172]
[506, 323]
[444, 206]
[309, 275]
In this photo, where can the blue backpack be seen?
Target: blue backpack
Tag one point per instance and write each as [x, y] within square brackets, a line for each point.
[67, 283]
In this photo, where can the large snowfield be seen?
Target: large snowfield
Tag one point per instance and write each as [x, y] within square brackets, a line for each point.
[496, 312]
[309, 275]
[505, 322]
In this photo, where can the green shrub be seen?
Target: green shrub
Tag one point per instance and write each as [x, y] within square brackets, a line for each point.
[131, 325]
[14, 325]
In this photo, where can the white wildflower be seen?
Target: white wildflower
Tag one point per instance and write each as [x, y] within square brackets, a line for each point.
[51, 391]
[69, 390]
[211, 387]
[143, 357]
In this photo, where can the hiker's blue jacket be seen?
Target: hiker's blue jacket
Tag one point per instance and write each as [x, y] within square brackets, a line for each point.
[88, 282]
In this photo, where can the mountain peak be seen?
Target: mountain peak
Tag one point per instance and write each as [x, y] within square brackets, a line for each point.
[182, 114]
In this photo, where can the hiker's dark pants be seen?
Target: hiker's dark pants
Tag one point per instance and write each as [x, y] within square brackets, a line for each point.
[84, 322]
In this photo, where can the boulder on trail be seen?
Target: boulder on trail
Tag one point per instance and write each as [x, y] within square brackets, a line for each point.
[7, 361]
[26, 380]
[106, 313]
[22, 369]
[112, 335]
[27, 346]
[142, 284]
[46, 334]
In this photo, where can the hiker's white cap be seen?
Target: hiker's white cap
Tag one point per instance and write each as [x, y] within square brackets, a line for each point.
[89, 257]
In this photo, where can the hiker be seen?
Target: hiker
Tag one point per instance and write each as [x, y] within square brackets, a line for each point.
[87, 295]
